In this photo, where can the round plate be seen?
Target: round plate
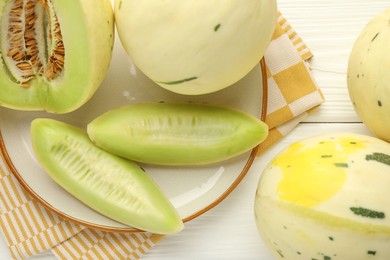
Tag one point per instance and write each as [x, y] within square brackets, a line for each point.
[192, 190]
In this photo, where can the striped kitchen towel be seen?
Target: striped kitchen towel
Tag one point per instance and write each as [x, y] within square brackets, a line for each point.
[30, 229]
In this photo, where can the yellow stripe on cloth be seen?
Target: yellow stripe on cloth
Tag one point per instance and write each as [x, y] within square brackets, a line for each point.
[28, 227]
[92, 244]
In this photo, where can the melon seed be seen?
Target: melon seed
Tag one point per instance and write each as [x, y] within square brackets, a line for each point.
[33, 46]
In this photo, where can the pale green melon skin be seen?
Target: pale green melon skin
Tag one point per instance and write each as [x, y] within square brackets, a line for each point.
[330, 229]
[369, 77]
[203, 46]
[113, 186]
[88, 33]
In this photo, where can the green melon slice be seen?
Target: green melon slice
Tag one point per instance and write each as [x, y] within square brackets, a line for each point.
[177, 133]
[113, 186]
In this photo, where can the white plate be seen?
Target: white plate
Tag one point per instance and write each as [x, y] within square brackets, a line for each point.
[192, 190]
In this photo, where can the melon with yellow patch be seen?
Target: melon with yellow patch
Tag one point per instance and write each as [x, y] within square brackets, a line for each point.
[326, 197]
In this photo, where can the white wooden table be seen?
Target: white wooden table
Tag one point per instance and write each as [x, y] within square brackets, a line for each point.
[329, 27]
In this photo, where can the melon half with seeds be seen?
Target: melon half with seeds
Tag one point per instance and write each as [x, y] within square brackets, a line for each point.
[54, 53]
[326, 197]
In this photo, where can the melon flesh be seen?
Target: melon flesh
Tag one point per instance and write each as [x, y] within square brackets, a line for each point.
[116, 188]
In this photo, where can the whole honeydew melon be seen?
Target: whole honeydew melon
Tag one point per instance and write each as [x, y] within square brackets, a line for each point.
[195, 47]
[369, 77]
[326, 197]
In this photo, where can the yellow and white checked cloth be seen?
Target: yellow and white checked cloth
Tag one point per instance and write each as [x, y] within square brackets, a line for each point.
[292, 92]
[30, 229]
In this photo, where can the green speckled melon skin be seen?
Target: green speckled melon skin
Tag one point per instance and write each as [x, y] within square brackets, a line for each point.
[369, 77]
[345, 218]
[195, 47]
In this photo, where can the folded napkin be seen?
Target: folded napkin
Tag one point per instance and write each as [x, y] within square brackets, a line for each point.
[292, 91]
[30, 229]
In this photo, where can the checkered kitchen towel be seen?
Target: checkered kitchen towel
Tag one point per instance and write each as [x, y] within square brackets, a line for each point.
[30, 229]
[292, 91]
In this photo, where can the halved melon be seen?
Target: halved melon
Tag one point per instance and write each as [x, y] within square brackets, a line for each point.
[54, 53]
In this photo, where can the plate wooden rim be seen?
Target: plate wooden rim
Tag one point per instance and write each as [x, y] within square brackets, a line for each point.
[11, 167]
